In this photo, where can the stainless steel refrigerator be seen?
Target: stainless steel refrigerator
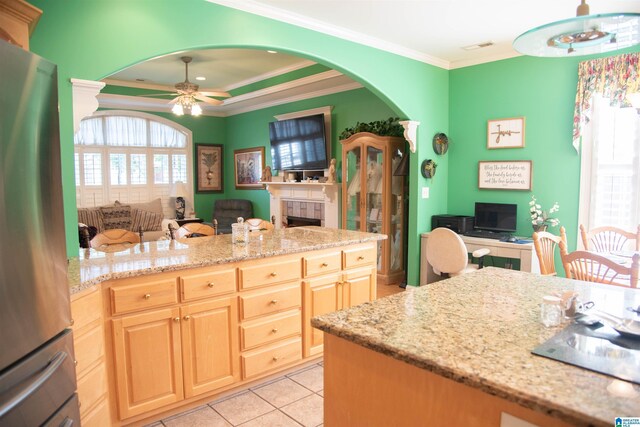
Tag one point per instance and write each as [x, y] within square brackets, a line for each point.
[37, 374]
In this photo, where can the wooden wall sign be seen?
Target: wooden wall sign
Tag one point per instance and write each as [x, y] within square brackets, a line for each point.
[505, 175]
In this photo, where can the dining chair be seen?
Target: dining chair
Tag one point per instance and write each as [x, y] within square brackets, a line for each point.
[194, 229]
[609, 239]
[114, 236]
[545, 245]
[258, 224]
[595, 267]
[448, 255]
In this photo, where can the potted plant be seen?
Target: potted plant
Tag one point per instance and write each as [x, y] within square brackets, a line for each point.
[540, 218]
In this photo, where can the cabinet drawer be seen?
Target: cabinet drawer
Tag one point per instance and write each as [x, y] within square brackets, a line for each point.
[265, 359]
[143, 296]
[321, 264]
[269, 273]
[270, 301]
[88, 349]
[358, 257]
[92, 387]
[270, 329]
[208, 284]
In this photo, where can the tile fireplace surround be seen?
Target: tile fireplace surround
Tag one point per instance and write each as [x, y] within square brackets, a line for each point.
[305, 200]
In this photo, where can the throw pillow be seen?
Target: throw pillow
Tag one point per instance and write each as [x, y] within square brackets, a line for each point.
[116, 217]
[91, 217]
[149, 221]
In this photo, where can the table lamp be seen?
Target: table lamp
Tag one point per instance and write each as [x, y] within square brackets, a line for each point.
[179, 190]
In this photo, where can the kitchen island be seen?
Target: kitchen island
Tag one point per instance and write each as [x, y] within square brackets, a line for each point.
[458, 352]
[163, 326]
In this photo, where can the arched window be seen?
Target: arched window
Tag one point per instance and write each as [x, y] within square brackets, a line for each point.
[131, 157]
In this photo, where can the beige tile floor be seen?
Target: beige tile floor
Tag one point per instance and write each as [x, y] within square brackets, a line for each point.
[292, 400]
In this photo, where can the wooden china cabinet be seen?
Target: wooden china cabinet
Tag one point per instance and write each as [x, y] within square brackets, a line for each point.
[373, 197]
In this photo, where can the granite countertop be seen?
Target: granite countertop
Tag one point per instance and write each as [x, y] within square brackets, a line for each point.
[479, 329]
[93, 267]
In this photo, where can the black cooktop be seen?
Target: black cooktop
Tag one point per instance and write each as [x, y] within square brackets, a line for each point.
[597, 348]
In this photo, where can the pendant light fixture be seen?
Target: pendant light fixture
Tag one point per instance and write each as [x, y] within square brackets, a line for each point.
[583, 35]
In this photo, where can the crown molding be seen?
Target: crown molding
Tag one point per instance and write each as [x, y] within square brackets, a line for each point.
[280, 71]
[255, 8]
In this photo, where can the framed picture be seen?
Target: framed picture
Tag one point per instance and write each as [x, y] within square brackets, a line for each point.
[209, 168]
[248, 165]
[505, 175]
[505, 133]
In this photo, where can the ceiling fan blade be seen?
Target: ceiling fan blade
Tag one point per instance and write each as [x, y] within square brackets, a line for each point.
[218, 94]
[158, 94]
[208, 100]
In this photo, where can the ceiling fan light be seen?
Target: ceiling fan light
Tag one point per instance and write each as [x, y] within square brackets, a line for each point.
[582, 35]
[177, 109]
[196, 110]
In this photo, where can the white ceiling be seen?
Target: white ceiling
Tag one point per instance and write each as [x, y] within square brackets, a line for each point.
[432, 31]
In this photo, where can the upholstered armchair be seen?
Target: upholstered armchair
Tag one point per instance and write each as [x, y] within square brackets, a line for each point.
[226, 212]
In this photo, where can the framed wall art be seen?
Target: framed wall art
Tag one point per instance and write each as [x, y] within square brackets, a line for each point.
[248, 164]
[505, 175]
[209, 168]
[505, 133]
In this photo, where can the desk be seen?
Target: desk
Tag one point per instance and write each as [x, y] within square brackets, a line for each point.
[525, 252]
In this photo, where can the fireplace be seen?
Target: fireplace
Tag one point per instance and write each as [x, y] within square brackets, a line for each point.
[317, 202]
[298, 221]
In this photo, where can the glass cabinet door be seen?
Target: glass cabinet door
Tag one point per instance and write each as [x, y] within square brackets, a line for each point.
[396, 230]
[375, 190]
[353, 180]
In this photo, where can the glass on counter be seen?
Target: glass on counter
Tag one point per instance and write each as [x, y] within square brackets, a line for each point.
[551, 311]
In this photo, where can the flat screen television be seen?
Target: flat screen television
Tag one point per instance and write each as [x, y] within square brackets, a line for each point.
[496, 216]
[299, 144]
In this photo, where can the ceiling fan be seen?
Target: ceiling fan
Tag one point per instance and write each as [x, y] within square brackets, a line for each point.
[187, 94]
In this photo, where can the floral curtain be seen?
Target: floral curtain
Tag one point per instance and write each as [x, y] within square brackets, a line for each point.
[612, 77]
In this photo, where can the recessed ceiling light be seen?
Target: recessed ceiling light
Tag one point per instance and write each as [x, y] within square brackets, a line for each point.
[478, 46]
[272, 51]
[201, 78]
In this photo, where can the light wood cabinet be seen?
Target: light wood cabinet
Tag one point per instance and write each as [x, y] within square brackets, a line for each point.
[203, 331]
[148, 360]
[89, 353]
[331, 292]
[373, 197]
[18, 19]
[210, 345]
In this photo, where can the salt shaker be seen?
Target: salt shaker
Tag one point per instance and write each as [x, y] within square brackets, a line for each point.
[551, 311]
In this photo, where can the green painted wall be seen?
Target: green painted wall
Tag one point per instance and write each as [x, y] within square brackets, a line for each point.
[542, 90]
[93, 39]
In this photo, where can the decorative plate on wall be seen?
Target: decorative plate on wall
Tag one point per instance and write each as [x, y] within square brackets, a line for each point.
[428, 168]
[440, 143]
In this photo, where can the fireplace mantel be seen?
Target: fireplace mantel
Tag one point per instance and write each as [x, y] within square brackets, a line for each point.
[326, 193]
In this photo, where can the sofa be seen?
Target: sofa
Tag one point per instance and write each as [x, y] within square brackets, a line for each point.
[227, 211]
[146, 217]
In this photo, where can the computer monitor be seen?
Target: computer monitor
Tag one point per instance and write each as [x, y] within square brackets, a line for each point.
[496, 216]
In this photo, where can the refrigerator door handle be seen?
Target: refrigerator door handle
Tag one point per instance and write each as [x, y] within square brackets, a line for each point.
[68, 422]
[34, 384]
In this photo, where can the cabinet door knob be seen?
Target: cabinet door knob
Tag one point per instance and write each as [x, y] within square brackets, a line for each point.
[187, 317]
[275, 358]
[274, 330]
[274, 274]
[360, 258]
[176, 319]
[147, 296]
[210, 284]
[324, 264]
[273, 301]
